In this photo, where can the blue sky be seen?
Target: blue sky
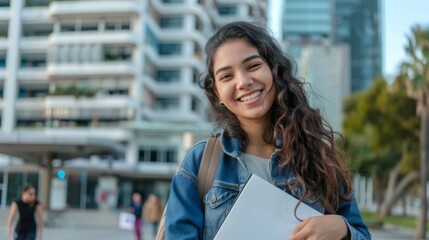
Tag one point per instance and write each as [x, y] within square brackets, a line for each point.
[398, 17]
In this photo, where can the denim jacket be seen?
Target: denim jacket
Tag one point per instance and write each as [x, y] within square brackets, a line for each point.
[186, 218]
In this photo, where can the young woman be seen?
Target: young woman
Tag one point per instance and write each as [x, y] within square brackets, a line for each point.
[137, 209]
[27, 207]
[270, 130]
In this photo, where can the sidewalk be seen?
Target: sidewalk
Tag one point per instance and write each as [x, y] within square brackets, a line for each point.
[115, 233]
[89, 233]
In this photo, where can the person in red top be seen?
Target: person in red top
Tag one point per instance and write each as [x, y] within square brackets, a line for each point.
[27, 207]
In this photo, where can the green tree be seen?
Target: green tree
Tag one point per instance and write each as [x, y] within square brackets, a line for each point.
[381, 131]
[415, 76]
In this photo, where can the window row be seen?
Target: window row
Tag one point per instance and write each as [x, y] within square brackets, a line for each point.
[157, 154]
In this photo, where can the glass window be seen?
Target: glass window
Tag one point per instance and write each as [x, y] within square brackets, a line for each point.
[33, 60]
[37, 3]
[157, 154]
[4, 3]
[39, 30]
[171, 22]
[166, 103]
[2, 61]
[172, 1]
[227, 10]
[117, 53]
[89, 27]
[67, 27]
[195, 104]
[171, 156]
[16, 181]
[3, 30]
[125, 26]
[170, 49]
[117, 25]
[168, 76]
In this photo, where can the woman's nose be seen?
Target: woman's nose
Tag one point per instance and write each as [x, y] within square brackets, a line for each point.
[244, 81]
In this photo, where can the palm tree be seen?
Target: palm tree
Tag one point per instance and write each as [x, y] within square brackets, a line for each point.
[415, 71]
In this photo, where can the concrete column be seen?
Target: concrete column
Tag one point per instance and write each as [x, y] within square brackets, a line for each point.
[12, 66]
[4, 186]
[47, 176]
[186, 75]
[131, 154]
[139, 62]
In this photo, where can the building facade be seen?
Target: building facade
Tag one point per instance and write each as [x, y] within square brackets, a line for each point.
[118, 78]
[358, 23]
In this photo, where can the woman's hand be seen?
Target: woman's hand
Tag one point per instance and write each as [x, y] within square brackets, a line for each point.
[327, 227]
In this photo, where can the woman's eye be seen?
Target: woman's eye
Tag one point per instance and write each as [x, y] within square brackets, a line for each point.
[253, 66]
[225, 77]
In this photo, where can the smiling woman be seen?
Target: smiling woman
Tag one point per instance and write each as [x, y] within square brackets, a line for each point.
[269, 130]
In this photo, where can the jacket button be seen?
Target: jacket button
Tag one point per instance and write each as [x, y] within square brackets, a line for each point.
[213, 198]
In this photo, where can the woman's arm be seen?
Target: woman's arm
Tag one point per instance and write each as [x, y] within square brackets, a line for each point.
[13, 210]
[40, 221]
[184, 213]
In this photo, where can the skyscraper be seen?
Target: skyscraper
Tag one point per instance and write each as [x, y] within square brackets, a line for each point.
[358, 24]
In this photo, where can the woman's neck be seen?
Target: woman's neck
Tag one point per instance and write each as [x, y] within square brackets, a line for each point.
[256, 144]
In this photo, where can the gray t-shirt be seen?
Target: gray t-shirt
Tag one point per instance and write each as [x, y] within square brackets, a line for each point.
[257, 165]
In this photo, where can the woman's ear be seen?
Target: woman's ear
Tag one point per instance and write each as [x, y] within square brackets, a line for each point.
[216, 92]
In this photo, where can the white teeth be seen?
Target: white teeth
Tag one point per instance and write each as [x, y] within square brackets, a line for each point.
[251, 96]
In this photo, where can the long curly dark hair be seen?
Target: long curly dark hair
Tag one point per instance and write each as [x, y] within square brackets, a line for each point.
[307, 141]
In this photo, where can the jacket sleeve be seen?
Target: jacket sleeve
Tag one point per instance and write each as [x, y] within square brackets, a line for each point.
[349, 210]
[184, 213]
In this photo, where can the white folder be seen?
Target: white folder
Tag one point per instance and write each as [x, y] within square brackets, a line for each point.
[263, 211]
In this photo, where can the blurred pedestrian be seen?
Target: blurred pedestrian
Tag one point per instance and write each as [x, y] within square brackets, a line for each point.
[268, 129]
[153, 211]
[27, 207]
[137, 209]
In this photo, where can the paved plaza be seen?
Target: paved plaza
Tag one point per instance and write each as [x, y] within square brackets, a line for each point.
[115, 233]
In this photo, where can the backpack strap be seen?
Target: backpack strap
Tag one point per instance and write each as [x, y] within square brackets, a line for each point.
[206, 174]
[208, 165]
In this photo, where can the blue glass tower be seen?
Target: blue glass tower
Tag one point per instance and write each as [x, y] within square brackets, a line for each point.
[358, 23]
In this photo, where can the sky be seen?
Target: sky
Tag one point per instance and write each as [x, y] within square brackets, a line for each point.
[398, 18]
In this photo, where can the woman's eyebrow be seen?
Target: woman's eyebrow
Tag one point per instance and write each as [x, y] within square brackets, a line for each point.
[244, 61]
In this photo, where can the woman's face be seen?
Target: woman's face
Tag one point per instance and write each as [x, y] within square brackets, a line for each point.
[29, 195]
[243, 80]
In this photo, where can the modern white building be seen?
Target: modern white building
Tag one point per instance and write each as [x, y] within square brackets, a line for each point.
[110, 84]
[326, 70]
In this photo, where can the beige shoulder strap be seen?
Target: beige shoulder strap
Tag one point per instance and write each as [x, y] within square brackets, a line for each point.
[206, 174]
[208, 165]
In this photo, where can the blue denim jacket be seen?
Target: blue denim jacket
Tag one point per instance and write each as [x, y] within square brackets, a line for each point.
[185, 218]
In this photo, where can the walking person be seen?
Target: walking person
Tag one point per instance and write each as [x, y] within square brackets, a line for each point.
[268, 129]
[28, 208]
[137, 210]
[153, 211]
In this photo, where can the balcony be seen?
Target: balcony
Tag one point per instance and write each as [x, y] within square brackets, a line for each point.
[2, 74]
[3, 44]
[123, 37]
[171, 115]
[32, 75]
[176, 34]
[94, 8]
[182, 8]
[169, 88]
[70, 107]
[174, 60]
[34, 43]
[4, 14]
[91, 69]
